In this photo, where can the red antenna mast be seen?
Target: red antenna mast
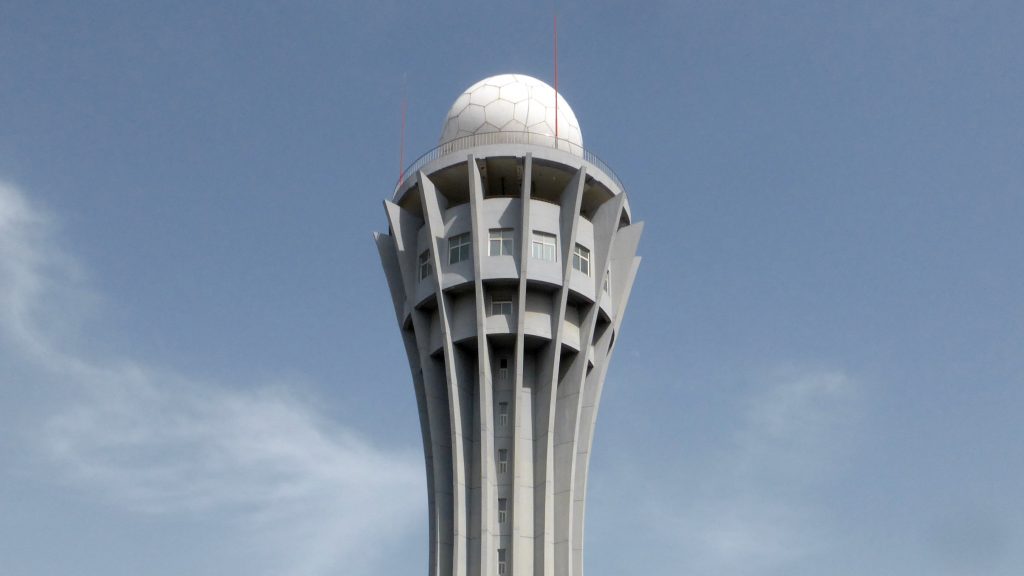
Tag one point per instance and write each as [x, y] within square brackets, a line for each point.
[401, 138]
[556, 78]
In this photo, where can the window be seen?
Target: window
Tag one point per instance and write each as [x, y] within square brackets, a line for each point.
[501, 307]
[458, 248]
[502, 415]
[503, 370]
[502, 510]
[581, 259]
[502, 460]
[543, 246]
[607, 278]
[425, 267]
[502, 242]
[502, 561]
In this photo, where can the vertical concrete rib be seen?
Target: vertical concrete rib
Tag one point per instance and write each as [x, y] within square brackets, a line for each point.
[433, 210]
[387, 248]
[571, 399]
[485, 394]
[405, 226]
[621, 260]
[516, 550]
[625, 263]
[605, 222]
[570, 201]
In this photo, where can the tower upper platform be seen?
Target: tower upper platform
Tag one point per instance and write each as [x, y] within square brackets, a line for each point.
[511, 103]
[509, 115]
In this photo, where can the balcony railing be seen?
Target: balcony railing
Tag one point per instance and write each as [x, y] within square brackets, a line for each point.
[488, 138]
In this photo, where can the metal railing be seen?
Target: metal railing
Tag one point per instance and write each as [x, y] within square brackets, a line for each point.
[487, 138]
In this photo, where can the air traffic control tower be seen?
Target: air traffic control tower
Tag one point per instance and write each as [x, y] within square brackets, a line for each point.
[510, 255]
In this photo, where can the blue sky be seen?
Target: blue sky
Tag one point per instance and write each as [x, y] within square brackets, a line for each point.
[822, 367]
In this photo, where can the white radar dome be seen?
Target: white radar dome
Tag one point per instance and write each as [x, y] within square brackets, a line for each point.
[510, 103]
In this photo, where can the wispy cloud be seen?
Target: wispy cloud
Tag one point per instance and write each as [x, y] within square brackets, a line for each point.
[309, 494]
[751, 506]
[784, 448]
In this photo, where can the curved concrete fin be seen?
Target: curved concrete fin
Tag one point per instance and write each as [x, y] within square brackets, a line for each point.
[547, 556]
[573, 413]
[522, 535]
[624, 264]
[432, 203]
[392, 270]
[481, 541]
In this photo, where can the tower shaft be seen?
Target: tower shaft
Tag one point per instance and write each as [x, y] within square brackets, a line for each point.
[510, 266]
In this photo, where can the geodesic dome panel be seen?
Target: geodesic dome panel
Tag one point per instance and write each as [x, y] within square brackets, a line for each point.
[510, 103]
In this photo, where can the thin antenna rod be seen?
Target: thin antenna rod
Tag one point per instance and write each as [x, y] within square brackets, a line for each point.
[401, 138]
[556, 78]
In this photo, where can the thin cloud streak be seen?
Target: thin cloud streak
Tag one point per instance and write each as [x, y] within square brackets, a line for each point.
[309, 495]
[751, 508]
[783, 449]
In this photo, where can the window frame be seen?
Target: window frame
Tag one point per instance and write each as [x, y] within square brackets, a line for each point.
[501, 374]
[540, 243]
[505, 241]
[502, 461]
[581, 259]
[502, 510]
[502, 562]
[426, 266]
[501, 305]
[502, 415]
[460, 248]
